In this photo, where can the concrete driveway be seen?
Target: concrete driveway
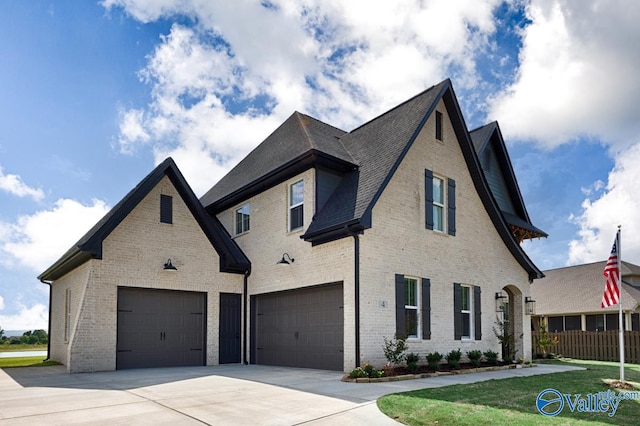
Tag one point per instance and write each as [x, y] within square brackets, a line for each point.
[220, 395]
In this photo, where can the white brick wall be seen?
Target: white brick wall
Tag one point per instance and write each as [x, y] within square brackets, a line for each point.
[133, 256]
[400, 243]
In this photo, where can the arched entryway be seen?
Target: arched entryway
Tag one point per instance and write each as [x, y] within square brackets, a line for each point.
[509, 322]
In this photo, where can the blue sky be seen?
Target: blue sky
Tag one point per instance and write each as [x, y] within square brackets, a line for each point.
[94, 94]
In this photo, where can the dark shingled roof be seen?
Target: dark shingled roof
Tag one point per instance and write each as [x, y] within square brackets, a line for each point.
[232, 259]
[578, 289]
[366, 157]
[298, 137]
[482, 138]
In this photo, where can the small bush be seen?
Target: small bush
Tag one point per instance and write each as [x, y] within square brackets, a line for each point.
[474, 357]
[453, 358]
[433, 360]
[367, 370]
[412, 362]
[492, 357]
[394, 350]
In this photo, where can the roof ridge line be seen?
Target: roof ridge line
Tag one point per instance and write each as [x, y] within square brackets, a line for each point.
[400, 105]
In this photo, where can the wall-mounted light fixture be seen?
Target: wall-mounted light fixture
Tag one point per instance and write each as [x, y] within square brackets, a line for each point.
[168, 266]
[529, 306]
[500, 301]
[284, 261]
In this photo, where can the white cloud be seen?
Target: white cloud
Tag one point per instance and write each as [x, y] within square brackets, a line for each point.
[13, 184]
[27, 318]
[618, 205]
[38, 240]
[1, 303]
[220, 88]
[577, 75]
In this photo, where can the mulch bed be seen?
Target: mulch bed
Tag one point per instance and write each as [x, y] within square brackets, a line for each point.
[399, 371]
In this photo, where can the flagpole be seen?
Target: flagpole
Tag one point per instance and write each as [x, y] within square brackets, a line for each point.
[620, 322]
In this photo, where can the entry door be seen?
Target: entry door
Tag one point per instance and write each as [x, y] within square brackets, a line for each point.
[160, 328]
[230, 320]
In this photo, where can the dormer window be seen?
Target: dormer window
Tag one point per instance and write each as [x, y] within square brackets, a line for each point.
[296, 205]
[243, 214]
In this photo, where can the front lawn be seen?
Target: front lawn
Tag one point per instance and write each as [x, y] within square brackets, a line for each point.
[25, 361]
[513, 401]
[19, 347]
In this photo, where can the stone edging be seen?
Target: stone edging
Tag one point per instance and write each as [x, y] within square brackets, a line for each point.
[346, 377]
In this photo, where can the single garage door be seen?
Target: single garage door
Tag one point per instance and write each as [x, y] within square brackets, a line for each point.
[160, 328]
[300, 328]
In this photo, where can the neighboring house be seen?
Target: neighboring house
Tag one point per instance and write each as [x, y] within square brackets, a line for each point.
[569, 299]
[308, 253]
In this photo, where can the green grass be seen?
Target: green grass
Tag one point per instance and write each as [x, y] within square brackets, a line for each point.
[26, 361]
[5, 347]
[513, 401]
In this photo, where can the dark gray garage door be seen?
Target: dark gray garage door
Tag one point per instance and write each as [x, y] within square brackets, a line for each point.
[301, 328]
[160, 328]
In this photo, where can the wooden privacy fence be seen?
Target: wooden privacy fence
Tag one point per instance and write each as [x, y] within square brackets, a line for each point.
[594, 345]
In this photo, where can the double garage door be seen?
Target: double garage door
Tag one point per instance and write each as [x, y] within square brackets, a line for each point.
[160, 328]
[299, 328]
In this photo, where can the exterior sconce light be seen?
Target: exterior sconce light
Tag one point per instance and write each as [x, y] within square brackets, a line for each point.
[168, 266]
[284, 261]
[500, 301]
[529, 306]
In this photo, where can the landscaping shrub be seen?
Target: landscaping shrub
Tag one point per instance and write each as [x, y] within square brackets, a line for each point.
[433, 360]
[367, 370]
[453, 358]
[394, 350]
[492, 357]
[474, 357]
[412, 362]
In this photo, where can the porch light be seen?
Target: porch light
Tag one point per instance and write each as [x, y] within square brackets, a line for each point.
[168, 266]
[500, 301]
[284, 261]
[529, 306]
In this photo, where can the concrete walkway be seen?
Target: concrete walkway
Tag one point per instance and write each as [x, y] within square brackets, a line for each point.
[220, 395]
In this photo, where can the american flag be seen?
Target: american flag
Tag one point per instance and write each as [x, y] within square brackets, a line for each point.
[611, 294]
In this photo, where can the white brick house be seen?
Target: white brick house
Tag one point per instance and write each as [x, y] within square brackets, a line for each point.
[408, 225]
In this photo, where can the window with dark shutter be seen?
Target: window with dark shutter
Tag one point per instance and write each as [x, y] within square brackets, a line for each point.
[400, 297]
[477, 313]
[457, 311]
[425, 308]
[166, 209]
[428, 197]
[438, 125]
[451, 207]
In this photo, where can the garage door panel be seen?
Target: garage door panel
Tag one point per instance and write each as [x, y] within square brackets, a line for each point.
[158, 328]
[302, 328]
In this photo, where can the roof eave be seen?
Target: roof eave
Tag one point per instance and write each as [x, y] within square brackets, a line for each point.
[305, 161]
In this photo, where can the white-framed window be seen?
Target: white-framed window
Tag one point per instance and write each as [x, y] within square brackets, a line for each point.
[412, 308]
[242, 219]
[296, 205]
[466, 310]
[67, 314]
[439, 216]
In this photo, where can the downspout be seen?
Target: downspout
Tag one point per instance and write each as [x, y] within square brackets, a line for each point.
[244, 325]
[356, 266]
[49, 330]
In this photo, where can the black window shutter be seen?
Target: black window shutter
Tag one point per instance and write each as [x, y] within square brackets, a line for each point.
[477, 313]
[451, 206]
[166, 209]
[438, 125]
[428, 198]
[401, 332]
[426, 308]
[457, 311]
